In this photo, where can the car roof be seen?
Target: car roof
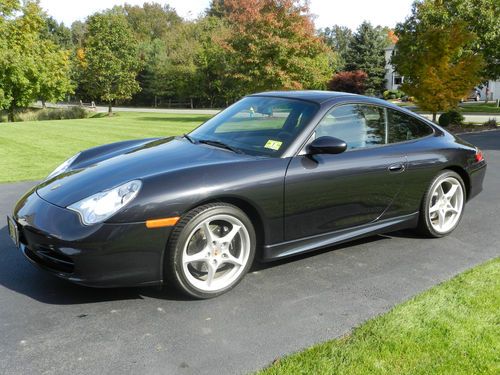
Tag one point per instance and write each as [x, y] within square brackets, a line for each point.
[316, 96]
[320, 97]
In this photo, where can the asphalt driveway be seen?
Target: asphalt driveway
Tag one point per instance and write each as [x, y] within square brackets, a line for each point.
[50, 326]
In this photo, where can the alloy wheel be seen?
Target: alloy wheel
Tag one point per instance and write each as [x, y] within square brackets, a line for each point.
[446, 205]
[216, 253]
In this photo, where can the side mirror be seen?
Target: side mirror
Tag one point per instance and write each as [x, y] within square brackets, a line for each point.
[327, 145]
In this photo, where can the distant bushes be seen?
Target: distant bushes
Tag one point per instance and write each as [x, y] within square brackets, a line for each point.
[52, 114]
[452, 117]
[393, 94]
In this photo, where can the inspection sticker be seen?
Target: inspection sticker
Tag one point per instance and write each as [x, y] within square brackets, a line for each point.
[273, 145]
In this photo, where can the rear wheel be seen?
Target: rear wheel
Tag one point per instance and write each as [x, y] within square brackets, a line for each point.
[442, 205]
[210, 250]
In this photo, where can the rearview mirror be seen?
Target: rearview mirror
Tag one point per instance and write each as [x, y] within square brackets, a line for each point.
[327, 145]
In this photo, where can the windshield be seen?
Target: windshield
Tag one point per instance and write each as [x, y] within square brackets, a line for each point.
[263, 126]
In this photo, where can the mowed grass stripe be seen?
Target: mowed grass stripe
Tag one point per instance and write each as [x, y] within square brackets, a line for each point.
[453, 328]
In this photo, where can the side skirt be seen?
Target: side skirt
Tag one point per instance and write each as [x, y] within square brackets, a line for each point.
[302, 245]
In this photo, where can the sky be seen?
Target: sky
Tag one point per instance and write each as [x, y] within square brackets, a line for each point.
[348, 13]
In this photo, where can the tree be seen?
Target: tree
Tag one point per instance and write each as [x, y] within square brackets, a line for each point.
[480, 17]
[272, 46]
[153, 25]
[30, 66]
[339, 39]
[78, 30]
[353, 82]
[439, 69]
[151, 20]
[212, 83]
[172, 63]
[57, 33]
[367, 53]
[109, 59]
[55, 73]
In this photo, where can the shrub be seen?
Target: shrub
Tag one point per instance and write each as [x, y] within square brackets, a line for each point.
[452, 117]
[393, 94]
[491, 123]
[352, 82]
[52, 114]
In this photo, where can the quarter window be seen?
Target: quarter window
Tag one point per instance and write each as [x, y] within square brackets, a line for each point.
[405, 128]
[358, 125]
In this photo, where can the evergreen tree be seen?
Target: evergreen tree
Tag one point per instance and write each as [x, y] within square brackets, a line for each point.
[339, 39]
[367, 53]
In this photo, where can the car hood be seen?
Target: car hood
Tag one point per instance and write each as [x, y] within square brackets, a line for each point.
[93, 174]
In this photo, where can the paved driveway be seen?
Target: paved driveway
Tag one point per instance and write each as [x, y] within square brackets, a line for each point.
[50, 326]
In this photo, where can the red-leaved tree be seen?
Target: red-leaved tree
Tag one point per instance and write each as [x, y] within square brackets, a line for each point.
[353, 82]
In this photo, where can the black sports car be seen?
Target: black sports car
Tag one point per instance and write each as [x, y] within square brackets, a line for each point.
[275, 174]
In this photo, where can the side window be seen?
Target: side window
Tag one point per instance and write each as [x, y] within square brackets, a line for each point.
[404, 128]
[358, 125]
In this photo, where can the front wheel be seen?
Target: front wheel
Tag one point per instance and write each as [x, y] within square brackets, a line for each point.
[210, 250]
[442, 205]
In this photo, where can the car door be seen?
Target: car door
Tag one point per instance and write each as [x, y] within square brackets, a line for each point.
[325, 192]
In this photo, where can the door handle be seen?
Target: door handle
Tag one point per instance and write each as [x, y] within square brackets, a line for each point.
[398, 167]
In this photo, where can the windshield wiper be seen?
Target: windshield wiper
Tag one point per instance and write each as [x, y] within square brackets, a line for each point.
[219, 144]
[189, 138]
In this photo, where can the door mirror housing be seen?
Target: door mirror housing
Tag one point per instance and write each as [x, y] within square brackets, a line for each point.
[326, 145]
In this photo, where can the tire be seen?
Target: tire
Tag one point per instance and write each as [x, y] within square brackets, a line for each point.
[203, 265]
[439, 214]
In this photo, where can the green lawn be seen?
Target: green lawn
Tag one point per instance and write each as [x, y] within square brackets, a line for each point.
[479, 108]
[31, 150]
[454, 328]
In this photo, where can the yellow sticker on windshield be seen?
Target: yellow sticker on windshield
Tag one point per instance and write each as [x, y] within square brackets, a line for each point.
[273, 145]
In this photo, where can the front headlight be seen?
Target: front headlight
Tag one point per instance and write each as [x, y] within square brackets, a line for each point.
[101, 206]
[63, 167]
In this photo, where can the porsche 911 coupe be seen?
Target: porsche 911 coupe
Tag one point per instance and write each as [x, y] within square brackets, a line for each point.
[274, 175]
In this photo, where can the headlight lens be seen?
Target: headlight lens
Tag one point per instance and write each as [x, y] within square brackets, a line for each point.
[101, 206]
[62, 168]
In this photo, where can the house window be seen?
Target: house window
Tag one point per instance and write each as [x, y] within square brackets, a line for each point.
[398, 80]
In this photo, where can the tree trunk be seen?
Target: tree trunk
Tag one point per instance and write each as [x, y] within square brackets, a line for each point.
[43, 104]
[434, 117]
[10, 114]
[110, 109]
[487, 91]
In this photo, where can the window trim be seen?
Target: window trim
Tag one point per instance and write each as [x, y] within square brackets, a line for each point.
[302, 149]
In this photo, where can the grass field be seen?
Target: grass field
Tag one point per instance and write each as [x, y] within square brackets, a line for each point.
[31, 150]
[479, 108]
[454, 328]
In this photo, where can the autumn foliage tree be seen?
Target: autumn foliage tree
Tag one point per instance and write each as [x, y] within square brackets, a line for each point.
[352, 82]
[439, 68]
[273, 45]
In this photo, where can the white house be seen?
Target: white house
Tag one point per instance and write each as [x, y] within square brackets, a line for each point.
[393, 80]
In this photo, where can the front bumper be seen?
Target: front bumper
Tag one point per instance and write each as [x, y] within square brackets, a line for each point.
[102, 255]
